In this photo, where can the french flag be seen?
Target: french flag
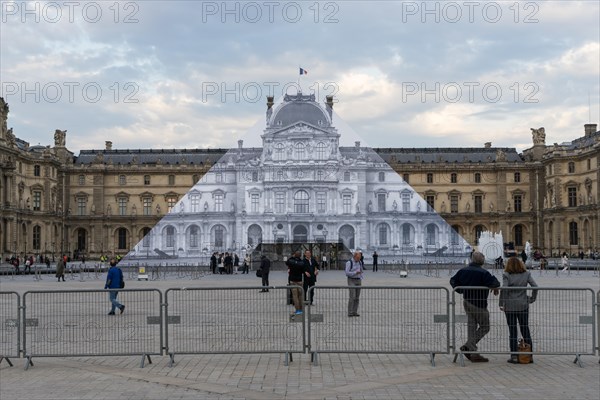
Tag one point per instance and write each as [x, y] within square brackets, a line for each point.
[303, 71]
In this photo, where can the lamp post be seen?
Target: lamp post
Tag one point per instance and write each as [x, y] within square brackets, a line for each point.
[325, 233]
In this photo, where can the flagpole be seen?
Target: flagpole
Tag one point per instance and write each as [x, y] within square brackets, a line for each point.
[299, 87]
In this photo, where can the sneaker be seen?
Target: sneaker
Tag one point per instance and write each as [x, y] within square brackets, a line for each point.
[299, 312]
[111, 313]
[122, 309]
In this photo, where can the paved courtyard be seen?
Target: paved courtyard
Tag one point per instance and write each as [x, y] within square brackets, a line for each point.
[337, 376]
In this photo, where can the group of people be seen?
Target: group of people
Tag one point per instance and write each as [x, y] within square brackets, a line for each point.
[228, 263]
[28, 262]
[513, 302]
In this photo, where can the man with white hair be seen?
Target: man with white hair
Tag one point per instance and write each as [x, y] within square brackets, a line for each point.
[475, 302]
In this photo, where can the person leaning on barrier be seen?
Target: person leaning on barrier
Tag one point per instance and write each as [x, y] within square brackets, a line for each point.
[311, 270]
[114, 280]
[265, 267]
[475, 302]
[295, 273]
[354, 272]
[515, 303]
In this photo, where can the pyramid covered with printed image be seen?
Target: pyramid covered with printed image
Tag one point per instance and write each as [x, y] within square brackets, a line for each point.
[301, 176]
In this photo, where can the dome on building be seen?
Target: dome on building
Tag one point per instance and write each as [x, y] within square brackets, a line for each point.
[299, 108]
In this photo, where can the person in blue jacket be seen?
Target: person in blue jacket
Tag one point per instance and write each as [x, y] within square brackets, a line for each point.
[114, 280]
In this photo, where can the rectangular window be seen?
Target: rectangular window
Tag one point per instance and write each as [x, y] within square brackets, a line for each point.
[573, 235]
[381, 202]
[518, 201]
[195, 203]
[430, 203]
[37, 237]
[36, 170]
[321, 202]
[406, 202]
[517, 177]
[122, 180]
[37, 200]
[81, 203]
[572, 196]
[146, 180]
[453, 204]
[171, 201]
[219, 177]
[429, 178]
[406, 178]
[254, 202]
[219, 202]
[383, 235]
[171, 180]
[122, 206]
[219, 236]
[280, 202]
[347, 203]
[81, 180]
[477, 177]
[147, 205]
[478, 204]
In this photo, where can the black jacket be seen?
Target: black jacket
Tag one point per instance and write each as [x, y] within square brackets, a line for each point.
[311, 266]
[475, 275]
[296, 267]
[265, 265]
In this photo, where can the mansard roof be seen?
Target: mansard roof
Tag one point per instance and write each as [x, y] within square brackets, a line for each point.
[151, 156]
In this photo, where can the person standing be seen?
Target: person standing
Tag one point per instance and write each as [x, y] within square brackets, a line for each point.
[114, 281]
[311, 266]
[236, 262]
[565, 261]
[213, 263]
[60, 269]
[475, 302]
[246, 264]
[375, 258]
[515, 303]
[228, 262]
[295, 274]
[354, 271]
[265, 266]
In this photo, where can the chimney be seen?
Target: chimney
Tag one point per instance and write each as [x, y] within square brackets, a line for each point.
[590, 129]
[357, 144]
[488, 145]
[108, 145]
[329, 104]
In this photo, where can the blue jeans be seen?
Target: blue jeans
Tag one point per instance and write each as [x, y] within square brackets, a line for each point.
[112, 295]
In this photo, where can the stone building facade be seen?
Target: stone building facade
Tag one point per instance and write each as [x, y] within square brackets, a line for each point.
[105, 201]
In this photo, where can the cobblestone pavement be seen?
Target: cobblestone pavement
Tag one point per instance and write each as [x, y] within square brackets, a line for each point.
[338, 376]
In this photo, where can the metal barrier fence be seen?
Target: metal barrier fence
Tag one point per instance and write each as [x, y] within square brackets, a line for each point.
[75, 323]
[561, 321]
[10, 328]
[402, 320]
[232, 320]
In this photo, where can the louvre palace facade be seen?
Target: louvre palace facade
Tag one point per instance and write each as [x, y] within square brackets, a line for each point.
[301, 185]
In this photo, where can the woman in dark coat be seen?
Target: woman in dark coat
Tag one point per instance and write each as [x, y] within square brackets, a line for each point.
[60, 269]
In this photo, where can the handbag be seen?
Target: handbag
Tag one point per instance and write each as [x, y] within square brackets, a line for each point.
[259, 273]
[523, 349]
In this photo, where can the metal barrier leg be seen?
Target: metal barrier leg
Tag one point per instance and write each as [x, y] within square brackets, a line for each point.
[288, 358]
[144, 356]
[432, 359]
[171, 359]
[314, 358]
[28, 363]
[577, 360]
[7, 360]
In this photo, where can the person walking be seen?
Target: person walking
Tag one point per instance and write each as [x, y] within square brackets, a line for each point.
[515, 303]
[295, 274]
[354, 271]
[565, 261]
[475, 302]
[265, 267]
[114, 281]
[60, 269]
[375, 258]
[311, 267]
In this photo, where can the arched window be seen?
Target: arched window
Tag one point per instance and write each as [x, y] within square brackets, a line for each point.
[193, 238]
[300, 151]
[279, 152]
[383, 231]
[170, 236]
[431, 235]
[301, 202]
[122, 239]
[320, 151]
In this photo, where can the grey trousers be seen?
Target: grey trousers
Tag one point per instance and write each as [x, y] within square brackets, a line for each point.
[478, 324]
[354, 296]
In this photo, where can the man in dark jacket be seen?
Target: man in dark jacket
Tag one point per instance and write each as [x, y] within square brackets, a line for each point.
[475, 302]
[295, 276]
[114, 280]
[213, 263]
[265, 266]
[228, 263]
[311, 270]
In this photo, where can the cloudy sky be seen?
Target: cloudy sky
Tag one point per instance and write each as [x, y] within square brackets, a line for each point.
[185, 74]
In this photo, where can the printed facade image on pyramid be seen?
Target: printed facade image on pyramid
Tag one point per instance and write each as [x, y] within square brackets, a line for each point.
[301, 186]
